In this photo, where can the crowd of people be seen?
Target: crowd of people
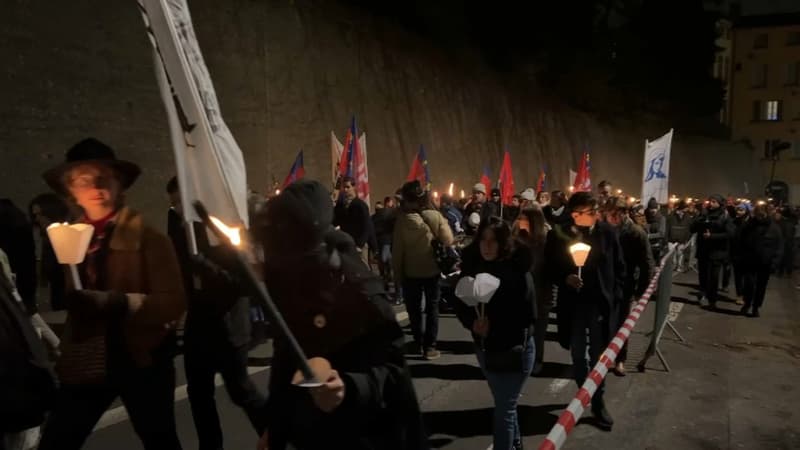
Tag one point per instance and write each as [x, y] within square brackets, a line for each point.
[315, 251]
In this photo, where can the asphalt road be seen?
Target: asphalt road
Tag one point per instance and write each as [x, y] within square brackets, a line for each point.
[731, 387]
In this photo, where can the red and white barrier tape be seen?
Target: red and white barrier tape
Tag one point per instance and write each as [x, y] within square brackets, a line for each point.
[566, 422]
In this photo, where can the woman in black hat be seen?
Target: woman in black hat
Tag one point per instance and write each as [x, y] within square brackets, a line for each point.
[118, 325]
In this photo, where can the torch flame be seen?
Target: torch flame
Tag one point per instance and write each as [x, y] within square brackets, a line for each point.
[231, 232]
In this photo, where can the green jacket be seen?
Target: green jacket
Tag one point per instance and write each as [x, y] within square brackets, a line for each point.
[412, 253]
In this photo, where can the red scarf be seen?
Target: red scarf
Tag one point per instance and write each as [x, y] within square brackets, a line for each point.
[98, 239]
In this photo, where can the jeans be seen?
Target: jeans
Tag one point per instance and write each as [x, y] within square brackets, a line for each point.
[587, 319]
[148, 396]
[681, 256]
[385, 263]
[506, 388]
[205, 357]
[708, 271]
[754, 286]
[413, 288]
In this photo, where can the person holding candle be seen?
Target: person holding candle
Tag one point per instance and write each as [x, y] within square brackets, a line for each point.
[118, 328]
[340, 316]
[503, 333]
[587, 304]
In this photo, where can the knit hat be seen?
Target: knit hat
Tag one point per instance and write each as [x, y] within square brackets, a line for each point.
[479, 187]
[528, 194]
[495, 192]
[296, 221]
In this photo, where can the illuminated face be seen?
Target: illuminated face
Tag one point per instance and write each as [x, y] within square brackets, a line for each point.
[514, 201]
[585, 216]
[478, 197]
[94, 187]
[615, 217]
[349, 191]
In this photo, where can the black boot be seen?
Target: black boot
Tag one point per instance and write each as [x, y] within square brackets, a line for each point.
[601, 415]
[755, 312]
[517, 445]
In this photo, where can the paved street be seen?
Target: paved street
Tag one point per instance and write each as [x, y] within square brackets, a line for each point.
[731, 387]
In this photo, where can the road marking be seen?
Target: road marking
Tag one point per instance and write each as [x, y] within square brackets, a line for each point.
[558, 385]
[119, 414]
[674, 309]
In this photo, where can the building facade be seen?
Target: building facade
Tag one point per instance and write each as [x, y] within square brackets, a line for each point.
[764, 93]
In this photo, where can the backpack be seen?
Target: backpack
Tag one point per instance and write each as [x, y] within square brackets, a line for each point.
[447, 258]
[27, 381]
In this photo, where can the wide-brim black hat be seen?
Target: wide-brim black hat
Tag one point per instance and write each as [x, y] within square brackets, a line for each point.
[90, 150]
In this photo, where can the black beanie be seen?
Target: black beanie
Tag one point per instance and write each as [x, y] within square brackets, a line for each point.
[295, 222]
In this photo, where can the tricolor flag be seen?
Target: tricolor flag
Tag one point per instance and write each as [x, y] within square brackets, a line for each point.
[419, 169]
[297, 171]
[541, 184]
[506, 180]
[583, 179]
[353, 162]
[486, 181]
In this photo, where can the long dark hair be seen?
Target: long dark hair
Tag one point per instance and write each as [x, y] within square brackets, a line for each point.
[502, 234]
[537, 223]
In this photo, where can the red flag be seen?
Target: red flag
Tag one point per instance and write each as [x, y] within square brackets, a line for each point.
[506, 180]
[583, 180]
[541, 184]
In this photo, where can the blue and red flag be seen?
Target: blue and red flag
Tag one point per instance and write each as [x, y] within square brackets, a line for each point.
[541, 184]
[486, 180]
[419, 169]
[353, 162]
[583, 179]
[298, 171]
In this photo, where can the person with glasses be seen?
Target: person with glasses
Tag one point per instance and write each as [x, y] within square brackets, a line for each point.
[587, 305]
[639, 263]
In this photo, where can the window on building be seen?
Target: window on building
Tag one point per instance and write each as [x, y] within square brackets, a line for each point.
[793, 73]
[773, 110]
[761, 41]
[793, 38]
[769, 111]
[759, 76]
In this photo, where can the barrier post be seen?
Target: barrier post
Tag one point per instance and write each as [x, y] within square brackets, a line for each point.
[663, 302]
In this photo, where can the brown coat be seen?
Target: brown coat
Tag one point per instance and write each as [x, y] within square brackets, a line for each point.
[140, 261]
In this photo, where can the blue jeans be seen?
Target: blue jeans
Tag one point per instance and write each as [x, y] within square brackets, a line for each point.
[587, 319]
[506, 388]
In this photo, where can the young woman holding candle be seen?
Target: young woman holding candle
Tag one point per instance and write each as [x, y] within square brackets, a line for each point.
[118, 327]
[503, 332]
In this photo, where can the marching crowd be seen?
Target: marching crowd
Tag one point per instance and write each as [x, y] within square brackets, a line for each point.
[314, 251]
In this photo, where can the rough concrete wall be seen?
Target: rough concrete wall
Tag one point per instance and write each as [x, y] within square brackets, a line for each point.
[286, 74]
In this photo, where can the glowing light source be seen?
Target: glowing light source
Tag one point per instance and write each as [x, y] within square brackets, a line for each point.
[232, 233]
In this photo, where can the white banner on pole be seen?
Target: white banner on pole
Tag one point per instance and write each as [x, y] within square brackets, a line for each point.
[655, 182]
[209, 163]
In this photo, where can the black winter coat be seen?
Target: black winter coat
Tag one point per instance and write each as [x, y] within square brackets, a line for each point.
[639, 262]
[354, 219]
[603, 274]
[383, 221]
[761, 244]
[512, 309]
[344, 316]
[16, 240]
[717, 246]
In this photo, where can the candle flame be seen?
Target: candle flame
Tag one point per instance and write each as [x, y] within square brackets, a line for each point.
[435, 194]
[232, 233]
[450, 190]
[462, 194]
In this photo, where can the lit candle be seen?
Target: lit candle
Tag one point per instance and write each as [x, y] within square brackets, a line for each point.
[435, 194]
[70, 243]
[450, 190]
[232, 233]
[462, 194]
[579, 252]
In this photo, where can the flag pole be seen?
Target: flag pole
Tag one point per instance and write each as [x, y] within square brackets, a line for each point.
[244, 268]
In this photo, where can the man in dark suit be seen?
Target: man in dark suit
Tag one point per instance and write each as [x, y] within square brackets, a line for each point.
[587, 304]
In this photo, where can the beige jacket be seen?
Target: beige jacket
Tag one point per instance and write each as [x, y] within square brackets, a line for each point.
[412, 253]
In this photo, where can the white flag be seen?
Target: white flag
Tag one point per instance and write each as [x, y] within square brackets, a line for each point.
[655, 183]
[362, 171]
[210, 165]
